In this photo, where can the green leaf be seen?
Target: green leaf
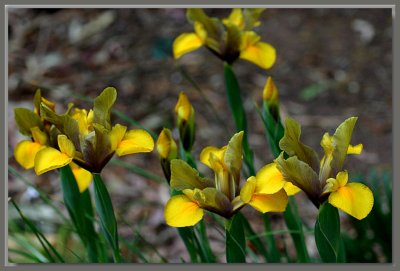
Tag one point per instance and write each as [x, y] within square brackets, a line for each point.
[102, 107]
[327, 234]
[105, 211]
[205, 249]
[184, 176]
[291, 144]
[239, 116]
[79, 207]
[295, 227]
[301, 175]
[252, 237]
[235, 240]
[340, 143]
[273, 253]
[27, 119]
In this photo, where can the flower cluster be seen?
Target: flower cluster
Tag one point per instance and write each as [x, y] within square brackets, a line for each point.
[221, 196]
[331, 183]
[83, 139]
[229, 39]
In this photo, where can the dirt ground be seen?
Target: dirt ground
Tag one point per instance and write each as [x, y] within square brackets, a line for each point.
[331, 64]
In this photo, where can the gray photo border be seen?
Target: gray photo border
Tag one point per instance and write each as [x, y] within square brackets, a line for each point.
[393, 4]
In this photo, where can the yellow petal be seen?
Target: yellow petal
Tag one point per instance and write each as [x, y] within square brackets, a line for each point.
[25, 153]
[236, 18]
[185, 43]
[116, 135]
[218, 153]
[247, 191]
[269, 179]
[357, 149]
[291, 189]
[82, 177]
[270, 203]
[342, 177]
[49, 158]
[135, 141]
[39, 136]
[180, 211]
[260, 53]
[270, 92]
[66, 146]
[355, 199]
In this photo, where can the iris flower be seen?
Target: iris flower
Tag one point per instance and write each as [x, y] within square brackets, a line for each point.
[88, 139]
[185, 121]
[221, 196]
[32, 124]
[332, 181]
[229, 39]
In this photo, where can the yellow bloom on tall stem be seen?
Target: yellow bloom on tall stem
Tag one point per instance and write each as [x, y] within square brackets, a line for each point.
[88, 139]
[32, 123]
[332, 182]
[229, 39]
[221, 196]
[185, 121]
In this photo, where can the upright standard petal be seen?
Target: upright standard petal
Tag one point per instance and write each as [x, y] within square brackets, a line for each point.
[205, 155]
[260, 53]
[135, 141]
[269, 179]
[185, 43]
[25, 152]
[355, 199]
[181, 211]
[49, 158]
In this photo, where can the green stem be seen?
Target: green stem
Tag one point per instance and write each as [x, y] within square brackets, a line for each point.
[106, 214]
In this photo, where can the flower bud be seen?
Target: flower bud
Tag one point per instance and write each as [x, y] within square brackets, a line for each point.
[185, 121]
[167, 150]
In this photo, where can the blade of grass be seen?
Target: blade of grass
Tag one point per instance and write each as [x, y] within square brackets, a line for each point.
[42, 239]
[138, 170]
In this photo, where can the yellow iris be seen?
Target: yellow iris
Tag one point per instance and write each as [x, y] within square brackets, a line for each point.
[221, 196]
[302, 166]
[229, 39]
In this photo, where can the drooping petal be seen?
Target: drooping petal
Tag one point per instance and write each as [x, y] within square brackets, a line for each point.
[269, 179]
[135, 141]
[25, 152]
[49, 158]
[186, 43]
[116, 135]
[355, 199]
[291, 189]
[66, 146]
[180, 211]
[270, 203]
[205, 154]
[184, 176]
[213, 200]
[260, 53]
[82, 176]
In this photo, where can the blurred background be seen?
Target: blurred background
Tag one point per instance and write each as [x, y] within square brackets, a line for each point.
[331, 64]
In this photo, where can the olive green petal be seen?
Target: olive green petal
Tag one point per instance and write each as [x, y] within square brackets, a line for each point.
[26, 120]
[340, 142]
[291, 144]
[102, 107]
[214, 201]
[233, 154]
[301, 175]
[183, 176]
